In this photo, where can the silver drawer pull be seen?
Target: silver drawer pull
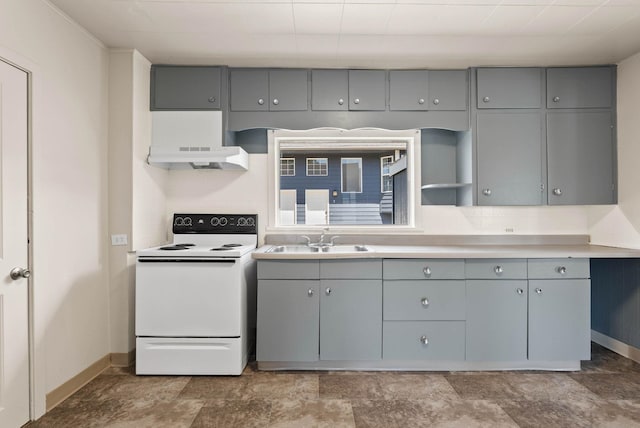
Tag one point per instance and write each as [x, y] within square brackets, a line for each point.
[327, 291]
[421, 101]
[212, 99]
[556, 99]
[426, 271]
[486, 99]
[498, 270]
[310, 292]
[519, 290]
[561, 270]
[424, 340]
[424, 302]
[341, 101]
[539, 290]
[260, 101]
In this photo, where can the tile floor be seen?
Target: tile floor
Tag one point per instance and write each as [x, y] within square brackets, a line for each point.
[606, 393]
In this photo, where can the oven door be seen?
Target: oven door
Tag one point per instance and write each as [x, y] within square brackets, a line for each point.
[189, 297]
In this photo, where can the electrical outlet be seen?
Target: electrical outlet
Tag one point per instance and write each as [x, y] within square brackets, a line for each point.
[118, 240]
[509, 229]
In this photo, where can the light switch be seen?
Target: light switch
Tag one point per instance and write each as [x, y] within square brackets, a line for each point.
[119, 239]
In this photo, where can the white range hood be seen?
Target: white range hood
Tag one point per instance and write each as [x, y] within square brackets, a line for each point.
[192, 140]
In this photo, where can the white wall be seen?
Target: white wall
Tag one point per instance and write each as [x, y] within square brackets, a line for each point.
[620, 225]
[69, 178]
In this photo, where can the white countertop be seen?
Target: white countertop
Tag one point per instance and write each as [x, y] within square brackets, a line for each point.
[458, 252]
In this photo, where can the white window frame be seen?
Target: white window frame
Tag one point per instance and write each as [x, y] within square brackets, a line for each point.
[383, 175]
[294, 167]
[342, 174]
[326, 160]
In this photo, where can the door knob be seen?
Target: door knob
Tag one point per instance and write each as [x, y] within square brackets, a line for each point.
[17, 273]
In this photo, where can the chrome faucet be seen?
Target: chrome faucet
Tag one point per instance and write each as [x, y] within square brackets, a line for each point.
[321, 241]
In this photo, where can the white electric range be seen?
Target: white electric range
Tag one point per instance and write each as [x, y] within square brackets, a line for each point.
[196, 298]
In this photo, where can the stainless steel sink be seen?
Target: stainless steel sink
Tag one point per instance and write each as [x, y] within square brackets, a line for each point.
[292, 249]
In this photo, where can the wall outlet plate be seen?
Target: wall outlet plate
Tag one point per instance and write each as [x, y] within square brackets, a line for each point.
[119, 239]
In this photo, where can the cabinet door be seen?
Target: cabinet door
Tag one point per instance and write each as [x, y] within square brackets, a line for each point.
[580, 158]
[329, 89]
[350, 319]
[250, 90]
[509, 87]
[367, 90]
[448, 89]
[497, 320]
[288, 90]
[559, 320]
[580, 87]
[188, 88]
[509, 156]
[408, 90]
[288, 320]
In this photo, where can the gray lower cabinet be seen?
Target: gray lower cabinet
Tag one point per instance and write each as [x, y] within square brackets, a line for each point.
[580, 158]
[350, 319]
[580, 87]
[510, 158]
[288, 320]
[504, 88]
[186, 87]
[424, 340]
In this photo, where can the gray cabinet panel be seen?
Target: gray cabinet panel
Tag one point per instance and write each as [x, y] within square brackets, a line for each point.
[580, 158]
[351, 269]
[559, 320]
[404, 340]
[288, 320]
[423, 269]
[496, 268]
[580, 87]
[496, 320]
[350, 319]
[558, 268]
[367, 90]
[408, 90]
[509, 158]
[190, 88]
[509, 88]
[424, 300]
[249, 90]
[329, 89]
[288, 90]
[288, 269]
[448, 89]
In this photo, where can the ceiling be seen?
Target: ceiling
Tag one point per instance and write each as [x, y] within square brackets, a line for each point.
[366, 33]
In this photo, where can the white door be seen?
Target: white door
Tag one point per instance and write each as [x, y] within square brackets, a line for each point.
[288, 207]
[316, 206]
[14, 316]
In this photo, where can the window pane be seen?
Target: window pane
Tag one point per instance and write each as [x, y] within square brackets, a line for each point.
[287, 167]
[317, 166]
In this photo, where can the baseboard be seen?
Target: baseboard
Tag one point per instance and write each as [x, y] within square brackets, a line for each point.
[616, 346]
[59, 394]
[123, 359]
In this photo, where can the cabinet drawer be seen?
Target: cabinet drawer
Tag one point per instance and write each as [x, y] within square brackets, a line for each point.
[405, 340]
[422, 300]
[351, 269]
[558, 268]
[423, 269]
[289, 269]
[496, 268]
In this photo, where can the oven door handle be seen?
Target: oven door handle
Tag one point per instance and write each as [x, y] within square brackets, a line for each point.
[189, 260]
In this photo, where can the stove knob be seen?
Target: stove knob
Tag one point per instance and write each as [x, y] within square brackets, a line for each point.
[251, 222]
[178, 221]
[187, 221]
[242, 221]
[223, 221]
[215, 221]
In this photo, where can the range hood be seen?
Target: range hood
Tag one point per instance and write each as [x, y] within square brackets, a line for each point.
[192, 140]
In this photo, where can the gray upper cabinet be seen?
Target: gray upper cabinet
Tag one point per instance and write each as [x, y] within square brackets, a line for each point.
[580, 158]
[509, 88]
[509, 158]
[580, 87]
[367, 90]
[329, 89]
[269, 90]
[408, 90]
[185, 88]
[448, 89]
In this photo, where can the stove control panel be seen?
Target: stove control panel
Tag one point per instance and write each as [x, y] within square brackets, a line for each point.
[216, 223]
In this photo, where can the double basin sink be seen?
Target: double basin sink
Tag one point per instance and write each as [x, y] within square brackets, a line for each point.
[316, 248]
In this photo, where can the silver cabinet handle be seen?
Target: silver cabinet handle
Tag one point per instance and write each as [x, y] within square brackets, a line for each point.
[17, 273]
[539, 290]
[421, 101]
[561, 270]
[426, 271]
[424, 340]
[498, 270]
[212, 99]
[519, 290]
[436, 101]
[556, 99]
[260, 101]
[557, 191]
[276, 102]
[341, 101]
[356, 101]
[486, 99]
[310, 292]
[486, 192]
[424, 301]
[327, 291]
